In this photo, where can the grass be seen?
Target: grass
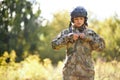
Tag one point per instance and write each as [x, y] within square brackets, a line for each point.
[32, 68]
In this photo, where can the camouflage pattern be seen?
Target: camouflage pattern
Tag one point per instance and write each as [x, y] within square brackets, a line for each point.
[78, 64]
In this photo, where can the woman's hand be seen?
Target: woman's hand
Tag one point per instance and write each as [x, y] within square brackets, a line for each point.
[75, 36]
[82, 35]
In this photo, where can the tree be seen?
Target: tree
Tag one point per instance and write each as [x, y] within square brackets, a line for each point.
[18, 29]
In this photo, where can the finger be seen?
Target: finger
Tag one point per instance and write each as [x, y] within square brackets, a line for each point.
[75, 37]
[82, 36]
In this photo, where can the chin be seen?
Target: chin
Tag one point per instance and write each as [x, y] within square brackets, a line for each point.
[79, 26]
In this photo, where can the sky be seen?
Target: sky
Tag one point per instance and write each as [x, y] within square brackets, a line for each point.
[100, 8]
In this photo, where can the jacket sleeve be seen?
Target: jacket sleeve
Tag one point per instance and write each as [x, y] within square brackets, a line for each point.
[62, 39]
[96, 42]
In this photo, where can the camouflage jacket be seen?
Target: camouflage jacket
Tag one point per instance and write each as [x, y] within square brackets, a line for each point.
[78, 59]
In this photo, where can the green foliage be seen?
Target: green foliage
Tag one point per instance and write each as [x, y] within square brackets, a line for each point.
[109, 29]
[49, 32]
[18, 29]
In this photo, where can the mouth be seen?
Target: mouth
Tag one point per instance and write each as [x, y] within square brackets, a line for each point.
[79, 23]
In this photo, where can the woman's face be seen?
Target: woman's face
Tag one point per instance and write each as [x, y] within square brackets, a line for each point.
[78, 21]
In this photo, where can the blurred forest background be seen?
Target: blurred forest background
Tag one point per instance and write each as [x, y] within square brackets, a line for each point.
[25, 37]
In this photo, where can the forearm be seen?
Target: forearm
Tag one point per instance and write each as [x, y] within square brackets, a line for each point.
[97, 44]
[57, 43]
[62, 41]
[95, 41]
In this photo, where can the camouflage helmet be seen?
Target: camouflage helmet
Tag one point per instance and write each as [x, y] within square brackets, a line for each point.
[79, 12]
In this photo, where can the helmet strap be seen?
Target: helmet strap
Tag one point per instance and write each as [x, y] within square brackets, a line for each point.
[70, 27]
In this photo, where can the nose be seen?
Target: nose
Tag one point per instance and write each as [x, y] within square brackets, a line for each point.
[79, 21]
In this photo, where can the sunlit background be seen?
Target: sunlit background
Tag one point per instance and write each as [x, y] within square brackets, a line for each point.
[27, 28]
[100, 8]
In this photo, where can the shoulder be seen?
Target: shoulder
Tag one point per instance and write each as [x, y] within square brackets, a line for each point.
[90, 31]
[65, 31]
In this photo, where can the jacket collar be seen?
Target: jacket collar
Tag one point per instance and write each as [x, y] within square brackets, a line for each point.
[80, 29]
